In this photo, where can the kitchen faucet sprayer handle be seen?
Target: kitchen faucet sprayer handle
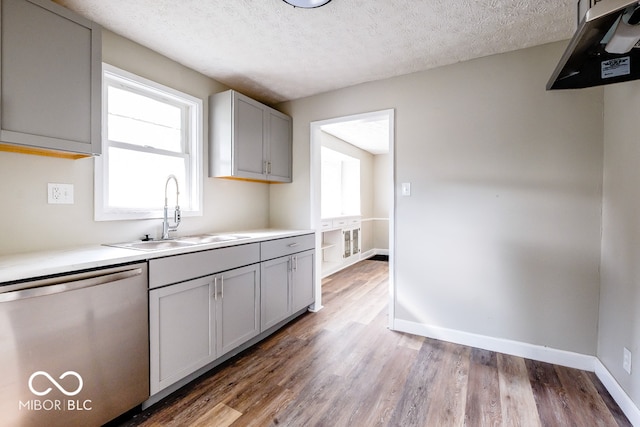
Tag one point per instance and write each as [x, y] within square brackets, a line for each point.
[177, 215]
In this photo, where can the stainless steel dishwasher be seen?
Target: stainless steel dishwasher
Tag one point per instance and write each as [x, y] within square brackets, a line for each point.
[74, 349]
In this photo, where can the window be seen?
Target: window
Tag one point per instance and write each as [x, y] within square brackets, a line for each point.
[149, 131]
[340, 184]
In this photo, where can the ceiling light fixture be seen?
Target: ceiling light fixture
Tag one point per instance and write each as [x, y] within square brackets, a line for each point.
[307, 4]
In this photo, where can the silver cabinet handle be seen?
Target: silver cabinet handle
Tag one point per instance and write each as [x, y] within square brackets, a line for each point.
[293, 245]
[292, 263]
[215, 287]
[68, 283]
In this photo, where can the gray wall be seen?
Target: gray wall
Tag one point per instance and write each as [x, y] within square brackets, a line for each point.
[620, 289]
[383, 185]
[501, 235]
[30, 224]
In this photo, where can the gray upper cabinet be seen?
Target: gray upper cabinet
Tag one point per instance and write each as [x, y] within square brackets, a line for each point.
[279, 147]
[248, 140]
[50, 78]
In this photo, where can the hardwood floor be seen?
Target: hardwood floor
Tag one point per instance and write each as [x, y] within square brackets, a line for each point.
[343, 367]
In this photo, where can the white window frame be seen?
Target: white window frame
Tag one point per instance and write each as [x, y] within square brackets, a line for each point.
[194, 140]
[346, 164]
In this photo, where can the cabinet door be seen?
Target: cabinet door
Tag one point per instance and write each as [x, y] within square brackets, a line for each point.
[275, 303]
[238, 307]
[181, 330]
[346, 243]
[50, 77]
[248, 126]
[355, 241]
[302, 280]
[279, 146]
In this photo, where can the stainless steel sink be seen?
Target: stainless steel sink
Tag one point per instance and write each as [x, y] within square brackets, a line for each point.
[179, 242]
[211, 238]
[152, 245]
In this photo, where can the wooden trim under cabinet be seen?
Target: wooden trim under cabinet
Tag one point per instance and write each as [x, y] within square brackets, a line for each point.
[41, 152]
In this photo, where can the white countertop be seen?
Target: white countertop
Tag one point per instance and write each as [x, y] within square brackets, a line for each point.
[39, 264]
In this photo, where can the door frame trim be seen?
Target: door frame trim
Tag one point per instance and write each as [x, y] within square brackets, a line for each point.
[314, 183]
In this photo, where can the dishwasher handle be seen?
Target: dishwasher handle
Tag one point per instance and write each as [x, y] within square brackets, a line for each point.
[68, 283]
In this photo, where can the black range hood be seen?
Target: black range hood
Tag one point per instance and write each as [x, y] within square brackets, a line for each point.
[599, 52]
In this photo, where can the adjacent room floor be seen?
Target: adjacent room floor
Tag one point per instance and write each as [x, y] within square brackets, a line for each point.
[343, 367]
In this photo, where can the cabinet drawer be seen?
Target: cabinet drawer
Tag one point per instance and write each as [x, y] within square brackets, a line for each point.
[325, 224]
[339, 223]
[290, 245]
[165, 271]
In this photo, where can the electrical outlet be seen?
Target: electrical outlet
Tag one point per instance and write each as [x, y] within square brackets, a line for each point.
[60, 194]
[626, 360]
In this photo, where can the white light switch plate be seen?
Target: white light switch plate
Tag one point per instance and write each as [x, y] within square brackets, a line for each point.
[60, 194]
[406, 188]
[626, 360]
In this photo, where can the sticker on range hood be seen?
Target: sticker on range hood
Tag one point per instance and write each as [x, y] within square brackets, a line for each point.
[616, 67]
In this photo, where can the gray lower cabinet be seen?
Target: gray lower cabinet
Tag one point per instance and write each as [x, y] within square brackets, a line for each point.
[50, 78]
[287, 286]
[181, 331]
[203, 305]
[275, 301]
[302, 279]
[238, 310]
[194, 322]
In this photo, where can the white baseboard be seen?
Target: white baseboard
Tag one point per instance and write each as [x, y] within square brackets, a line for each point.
[619, 395]
[500, 345]
[368, 254]
[373, 252]
[529, 351]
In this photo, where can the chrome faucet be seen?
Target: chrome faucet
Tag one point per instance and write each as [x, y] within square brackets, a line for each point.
[166, 227]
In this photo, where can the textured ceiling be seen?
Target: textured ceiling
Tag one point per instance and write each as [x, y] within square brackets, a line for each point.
[274, 52]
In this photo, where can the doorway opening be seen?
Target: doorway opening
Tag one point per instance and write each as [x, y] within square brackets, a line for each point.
[353, 154]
